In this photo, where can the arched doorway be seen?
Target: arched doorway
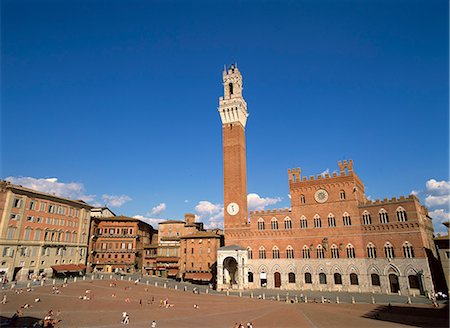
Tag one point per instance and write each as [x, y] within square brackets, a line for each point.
[230, 271]
[393, 283]
[277, 279]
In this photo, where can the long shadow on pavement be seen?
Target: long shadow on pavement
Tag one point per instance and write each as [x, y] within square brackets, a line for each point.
[22, 321]
[412, 316]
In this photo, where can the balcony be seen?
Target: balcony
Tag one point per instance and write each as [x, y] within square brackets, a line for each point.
[118, 251]
[115, 236]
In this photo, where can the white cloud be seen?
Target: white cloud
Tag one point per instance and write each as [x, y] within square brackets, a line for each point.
[152, 221]
[256, 203]
[210, 214]
[205, 207]
[158, 209]
[439, 216]
[72, 190]
[438, 187]
[115, 201]
[436, 197]
[436, 201]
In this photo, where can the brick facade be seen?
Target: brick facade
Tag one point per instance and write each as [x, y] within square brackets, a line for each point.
[199, 255]
[117, 244]
[331, 238]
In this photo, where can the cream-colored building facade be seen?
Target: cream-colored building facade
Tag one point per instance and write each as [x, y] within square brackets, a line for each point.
[39, 231]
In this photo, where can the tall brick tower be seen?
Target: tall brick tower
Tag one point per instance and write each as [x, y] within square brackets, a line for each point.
[233, 113]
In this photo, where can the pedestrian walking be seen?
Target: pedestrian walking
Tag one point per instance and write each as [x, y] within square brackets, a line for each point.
[153, 324]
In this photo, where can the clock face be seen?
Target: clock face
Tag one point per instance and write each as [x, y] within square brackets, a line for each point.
[321, 196]
[233, 208]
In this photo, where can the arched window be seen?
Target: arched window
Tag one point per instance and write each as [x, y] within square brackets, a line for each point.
[371, 251]
[320, 252]
[384, 217]
[317, 221]
[27, 233]
[289, 252]
[291, 277]
[67, 239]
[261, 224]
[350, 251]
[322, 278]
[303, 222]
[408, 250]
[250, 277]
[346, 219]
[74, 237]
[331, 220]
[275, 252]
[401, 215]
[305, 252]
[287, 224]
[250, 253]
[11, 232]
[302, 199]
[37, 234]
[375, 279]
[334, 252]
[353, 279]
[337, 279]
[367, 219]
[274, 224]
[389, 250]
[342, 195]
[413, 281]
[262, 252]
[308, 278]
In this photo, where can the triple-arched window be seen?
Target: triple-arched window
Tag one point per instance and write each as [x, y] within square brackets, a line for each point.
[366, 218]
[350, 251]
[401, 215]
[262, 252]
[334, 251]
[261, 225]
[389, 250]
[320, 253]
[371, 251]
[331, 220]
[346, 219]
[317, 221]
[287, 223]
[289, 252]
[306, 252]
[303, 222]
[274, 224]
[275, 252]
[384, 217]
[408, 250]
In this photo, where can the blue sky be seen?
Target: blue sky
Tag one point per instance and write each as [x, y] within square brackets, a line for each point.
[116, 102]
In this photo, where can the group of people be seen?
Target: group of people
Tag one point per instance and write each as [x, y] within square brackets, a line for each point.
[240, 325]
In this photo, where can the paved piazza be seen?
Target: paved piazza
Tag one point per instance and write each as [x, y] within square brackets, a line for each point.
[105, 310]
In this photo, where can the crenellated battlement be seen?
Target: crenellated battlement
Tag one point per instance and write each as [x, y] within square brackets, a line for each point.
[385, 201]
[345, 169]
[345, 165]
[273, 211]
[294, 174]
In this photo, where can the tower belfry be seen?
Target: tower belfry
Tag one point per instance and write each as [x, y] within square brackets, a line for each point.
[233, 113]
